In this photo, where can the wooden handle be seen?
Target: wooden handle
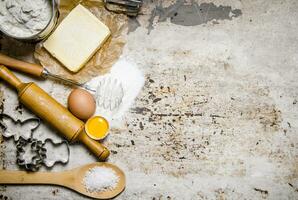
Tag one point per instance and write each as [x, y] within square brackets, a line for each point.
[9, 77]
[99, 150]
[29, 68]
[22, 177]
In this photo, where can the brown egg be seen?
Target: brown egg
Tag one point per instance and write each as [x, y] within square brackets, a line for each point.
[81, 103]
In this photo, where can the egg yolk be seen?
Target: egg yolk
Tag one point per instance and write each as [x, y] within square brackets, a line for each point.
[97, 127]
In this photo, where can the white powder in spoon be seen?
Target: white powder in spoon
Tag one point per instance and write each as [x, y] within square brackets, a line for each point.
[99, 179]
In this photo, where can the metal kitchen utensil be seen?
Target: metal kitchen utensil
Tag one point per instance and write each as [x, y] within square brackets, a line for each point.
[109, 92]
[128, 7]
[37, 70]
[30, 154]
[63, 160]
[47, 74]
[25, 149]
[26, 144]
[11, 127]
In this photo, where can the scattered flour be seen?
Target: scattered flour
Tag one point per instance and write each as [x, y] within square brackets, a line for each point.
[99, 179]
[132, 81]
[24, 18]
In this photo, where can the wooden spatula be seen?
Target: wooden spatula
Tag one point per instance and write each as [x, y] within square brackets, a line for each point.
[72, 179]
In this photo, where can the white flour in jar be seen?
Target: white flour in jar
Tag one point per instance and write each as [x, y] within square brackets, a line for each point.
[24, 18]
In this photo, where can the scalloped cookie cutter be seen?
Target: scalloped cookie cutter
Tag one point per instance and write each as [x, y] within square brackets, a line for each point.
[40, 153]
[37, 154]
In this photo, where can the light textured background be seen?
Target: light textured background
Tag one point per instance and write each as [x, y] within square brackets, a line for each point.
[217, 117]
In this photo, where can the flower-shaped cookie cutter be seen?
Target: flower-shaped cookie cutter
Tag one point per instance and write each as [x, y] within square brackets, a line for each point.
[39, 153]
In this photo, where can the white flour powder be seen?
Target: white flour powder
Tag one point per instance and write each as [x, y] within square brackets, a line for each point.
[24, 18]
[132, 81]
[99, 179]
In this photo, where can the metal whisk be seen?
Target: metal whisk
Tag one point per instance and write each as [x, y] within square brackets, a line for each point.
[128, 7]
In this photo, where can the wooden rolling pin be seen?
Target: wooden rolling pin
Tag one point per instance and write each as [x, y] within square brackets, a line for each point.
[48, 109]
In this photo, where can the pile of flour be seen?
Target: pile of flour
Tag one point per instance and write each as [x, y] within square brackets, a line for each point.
[24, 18]
[126, 72]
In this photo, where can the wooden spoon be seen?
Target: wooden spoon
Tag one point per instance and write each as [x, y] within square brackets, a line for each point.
[72, 179]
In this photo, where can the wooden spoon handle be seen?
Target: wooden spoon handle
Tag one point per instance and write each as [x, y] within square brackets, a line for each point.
[22, 177]
[29, 68]
[9, 77]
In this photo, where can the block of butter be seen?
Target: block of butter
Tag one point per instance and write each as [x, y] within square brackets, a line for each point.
[77, 38]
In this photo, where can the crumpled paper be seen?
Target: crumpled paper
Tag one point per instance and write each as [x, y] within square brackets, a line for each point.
[104, 58]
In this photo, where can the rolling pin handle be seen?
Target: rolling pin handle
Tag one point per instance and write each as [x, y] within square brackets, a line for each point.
[9, 77]
[94, 146]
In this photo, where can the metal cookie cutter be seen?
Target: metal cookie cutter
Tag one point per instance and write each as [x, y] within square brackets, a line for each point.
[11, 127]
[63, 160]
[32, 153]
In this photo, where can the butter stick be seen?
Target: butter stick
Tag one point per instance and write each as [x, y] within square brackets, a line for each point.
[77, 38]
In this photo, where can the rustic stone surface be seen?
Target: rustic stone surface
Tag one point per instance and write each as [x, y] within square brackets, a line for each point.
[217, 117]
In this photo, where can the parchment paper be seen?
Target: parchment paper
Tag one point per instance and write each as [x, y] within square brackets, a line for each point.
[104, 58]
